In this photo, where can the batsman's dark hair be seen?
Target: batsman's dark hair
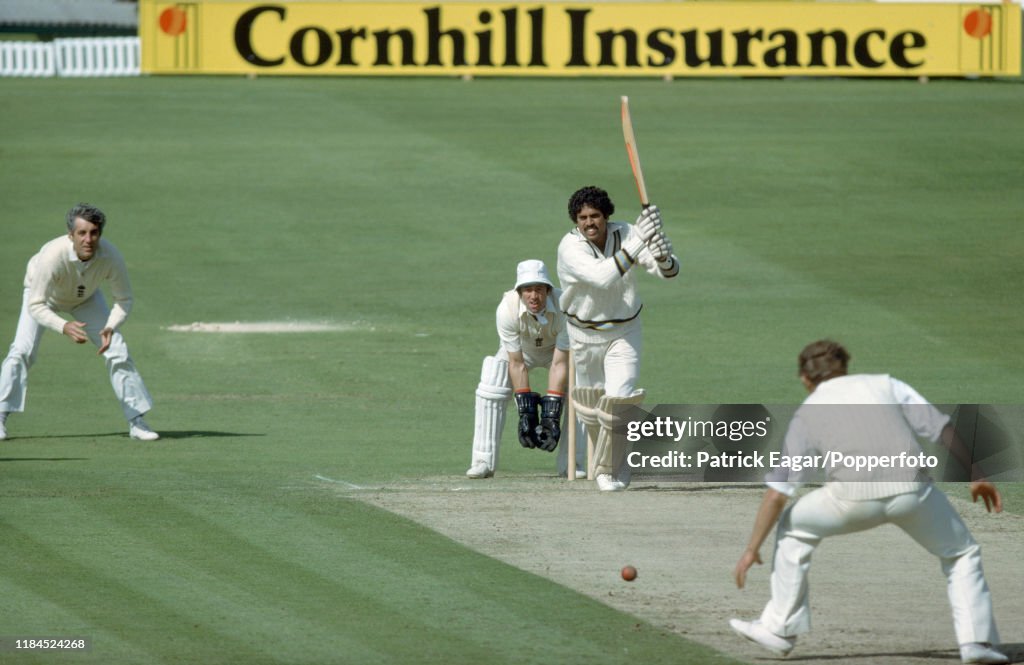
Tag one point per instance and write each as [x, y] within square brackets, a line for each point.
[823, 360]
[595, 197]
[89, 213]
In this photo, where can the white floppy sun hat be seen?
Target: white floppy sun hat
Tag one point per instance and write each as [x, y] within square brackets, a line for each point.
[532, 271]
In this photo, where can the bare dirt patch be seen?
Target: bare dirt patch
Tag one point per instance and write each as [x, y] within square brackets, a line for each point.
[877, 597]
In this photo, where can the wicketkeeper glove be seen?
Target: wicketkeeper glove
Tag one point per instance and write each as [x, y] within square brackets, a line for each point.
[528, 420]
[649, 222]
[550, 428]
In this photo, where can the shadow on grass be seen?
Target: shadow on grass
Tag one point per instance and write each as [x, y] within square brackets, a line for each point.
[43, 459]
[99, 435]
[183, 434]
[204, 434]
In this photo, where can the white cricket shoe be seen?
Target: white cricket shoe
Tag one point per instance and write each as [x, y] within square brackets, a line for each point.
[479, 470]
[755, 632]
[138, 429]
[3, 430]
[981, 652]
[606, 483]
[581, 474]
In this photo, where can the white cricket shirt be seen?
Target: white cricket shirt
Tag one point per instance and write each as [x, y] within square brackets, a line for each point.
[58, 281]
[861, 415]
[521, 331]
[599, 297]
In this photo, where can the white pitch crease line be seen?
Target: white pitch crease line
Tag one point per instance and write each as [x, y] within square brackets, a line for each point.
[268, 327]
[339, 482]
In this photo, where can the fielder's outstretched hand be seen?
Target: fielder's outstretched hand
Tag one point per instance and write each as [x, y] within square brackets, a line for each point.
[988, 492]
[748, 559]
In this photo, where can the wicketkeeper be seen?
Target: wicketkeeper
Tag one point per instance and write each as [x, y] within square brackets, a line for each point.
[65, 276]
[596, 269]
[532, 333]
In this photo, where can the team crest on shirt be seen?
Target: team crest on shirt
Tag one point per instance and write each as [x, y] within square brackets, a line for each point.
[81, 290]
[539, 341]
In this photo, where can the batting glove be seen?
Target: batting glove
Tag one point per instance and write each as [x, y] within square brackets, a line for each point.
[649, 222]
[660, 247]
[528, 420]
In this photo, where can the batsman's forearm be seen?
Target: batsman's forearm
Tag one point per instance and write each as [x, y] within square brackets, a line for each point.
[602, 273]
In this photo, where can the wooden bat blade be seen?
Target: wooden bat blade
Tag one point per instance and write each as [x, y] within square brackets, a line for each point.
[632, 153]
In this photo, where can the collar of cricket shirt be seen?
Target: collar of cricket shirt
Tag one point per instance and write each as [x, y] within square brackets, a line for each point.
[80, 265]
[535, 322]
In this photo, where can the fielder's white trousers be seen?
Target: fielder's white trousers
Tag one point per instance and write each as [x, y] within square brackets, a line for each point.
[926, 516]
[127, 383]
[612, 364]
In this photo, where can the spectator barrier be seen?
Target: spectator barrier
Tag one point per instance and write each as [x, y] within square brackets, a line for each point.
[78, 57]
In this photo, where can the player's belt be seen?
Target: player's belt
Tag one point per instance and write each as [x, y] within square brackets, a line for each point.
[609, 324]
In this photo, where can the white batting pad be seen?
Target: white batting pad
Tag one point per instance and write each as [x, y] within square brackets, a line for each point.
[586, 399]
[609, 458]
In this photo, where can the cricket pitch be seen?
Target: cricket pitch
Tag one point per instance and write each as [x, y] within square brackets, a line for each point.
[876, 596]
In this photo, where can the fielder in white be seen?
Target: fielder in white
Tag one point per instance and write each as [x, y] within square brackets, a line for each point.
[65, 276]
[875, 411]
[531, 331]
[595, 269]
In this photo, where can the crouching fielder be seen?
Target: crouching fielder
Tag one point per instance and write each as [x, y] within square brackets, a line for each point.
[65, 276]
[856, 415]
[531, 331]
[600, 299]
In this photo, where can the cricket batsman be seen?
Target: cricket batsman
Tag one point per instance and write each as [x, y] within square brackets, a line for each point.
[598, 262]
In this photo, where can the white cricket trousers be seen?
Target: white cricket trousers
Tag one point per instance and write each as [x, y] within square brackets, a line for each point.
[128, 386]
[926, 516]
[613, 364]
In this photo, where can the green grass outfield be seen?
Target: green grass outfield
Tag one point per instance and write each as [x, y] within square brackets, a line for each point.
[884, 213]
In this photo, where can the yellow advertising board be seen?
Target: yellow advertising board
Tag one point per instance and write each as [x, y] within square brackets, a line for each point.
[675, 39]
